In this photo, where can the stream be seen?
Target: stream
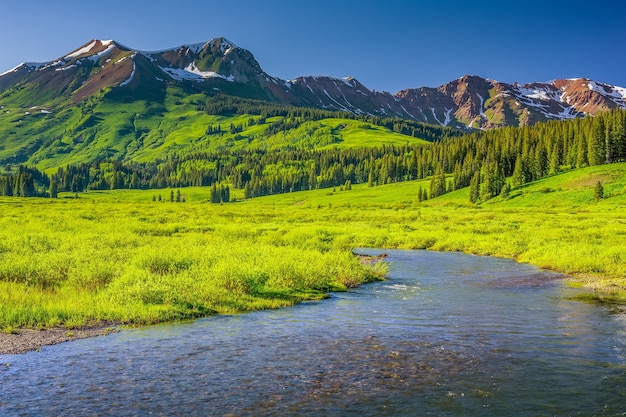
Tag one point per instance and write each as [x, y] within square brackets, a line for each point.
[446, 334]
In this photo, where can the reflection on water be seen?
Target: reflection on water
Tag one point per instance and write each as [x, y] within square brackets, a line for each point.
[445, 335]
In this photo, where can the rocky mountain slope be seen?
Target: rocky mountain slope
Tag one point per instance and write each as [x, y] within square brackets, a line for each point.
[101, 67]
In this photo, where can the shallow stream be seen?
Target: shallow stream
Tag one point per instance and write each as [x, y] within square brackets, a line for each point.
[446, 335]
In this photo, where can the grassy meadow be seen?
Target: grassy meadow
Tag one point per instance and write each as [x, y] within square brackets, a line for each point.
[50, 136]
[120, 256]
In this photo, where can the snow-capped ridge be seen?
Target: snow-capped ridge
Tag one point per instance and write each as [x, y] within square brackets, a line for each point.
[31, 66]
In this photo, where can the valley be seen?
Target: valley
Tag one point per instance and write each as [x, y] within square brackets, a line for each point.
[188, 182]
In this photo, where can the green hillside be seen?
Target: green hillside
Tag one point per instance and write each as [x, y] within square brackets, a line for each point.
[108, 127]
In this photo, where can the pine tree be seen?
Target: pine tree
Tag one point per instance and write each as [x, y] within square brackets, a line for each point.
[518, 173]
[506, 190]
[475, 187]
[597, 142]
[599, 191]
[54, 189]
[214, 195]
[438, 184]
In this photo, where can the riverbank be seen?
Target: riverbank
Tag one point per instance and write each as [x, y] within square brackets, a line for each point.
[27, 340]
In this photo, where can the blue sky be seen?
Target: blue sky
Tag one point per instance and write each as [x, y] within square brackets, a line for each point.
[387, 45]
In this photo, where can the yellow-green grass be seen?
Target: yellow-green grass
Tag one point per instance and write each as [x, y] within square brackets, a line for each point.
[119, 256]
[145, 131]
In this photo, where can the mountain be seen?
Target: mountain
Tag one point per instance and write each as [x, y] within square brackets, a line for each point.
[102, 67]
[469, 101]
[106, 69]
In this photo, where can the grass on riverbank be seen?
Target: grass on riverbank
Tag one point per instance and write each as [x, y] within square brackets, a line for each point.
[119, 256]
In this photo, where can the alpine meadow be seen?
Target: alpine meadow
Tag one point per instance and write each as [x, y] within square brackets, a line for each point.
[143, 187]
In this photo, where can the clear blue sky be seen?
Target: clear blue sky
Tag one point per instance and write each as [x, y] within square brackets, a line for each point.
[387, 45]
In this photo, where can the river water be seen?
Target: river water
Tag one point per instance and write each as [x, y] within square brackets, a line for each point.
[446, 335]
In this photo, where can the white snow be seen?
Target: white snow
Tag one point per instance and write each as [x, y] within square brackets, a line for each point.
[595, 87]
[482, 102]
[530, 103]
[45, 111]
[107, 51]
[122, 59]
[346, 81]
[191, 72]
[191, 68]
[568, 113]
[432, 109]
[65, 68]
[342, 107]
[447, 114]
[130, 78]
[407, 112]
[87, 48]
[545, 94]
[81, 51]
[13, 69]
[619, 92]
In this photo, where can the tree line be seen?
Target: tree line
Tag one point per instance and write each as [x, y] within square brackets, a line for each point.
[484, 160]
[489, 162]
[220, 104]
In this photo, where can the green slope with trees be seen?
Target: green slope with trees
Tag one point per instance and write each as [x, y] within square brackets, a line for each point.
[107, 127]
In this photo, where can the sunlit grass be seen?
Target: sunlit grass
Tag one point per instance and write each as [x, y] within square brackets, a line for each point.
[119, 256]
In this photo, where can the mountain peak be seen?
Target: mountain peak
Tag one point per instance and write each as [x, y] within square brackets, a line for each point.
[94, 47]
[223, 44]
[220, 65]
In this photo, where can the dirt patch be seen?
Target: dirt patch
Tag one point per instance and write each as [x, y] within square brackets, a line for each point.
[25, 340]
[589, 181]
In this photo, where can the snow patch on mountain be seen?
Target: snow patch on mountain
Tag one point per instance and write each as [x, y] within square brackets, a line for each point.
[539, 93]
[191, 72]
[481, 107]
[108, 50]
[68, 67]
[447, 113]
[29, 65]
[85, 49]
[132, 74]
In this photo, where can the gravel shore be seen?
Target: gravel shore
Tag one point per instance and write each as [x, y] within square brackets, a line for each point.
[25, 340]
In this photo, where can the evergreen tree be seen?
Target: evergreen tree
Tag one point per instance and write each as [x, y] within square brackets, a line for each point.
[506, 190]
[475, 187]
[54, 189]
[518, 173]
[438, 184]
[599, 191]
[597, 142]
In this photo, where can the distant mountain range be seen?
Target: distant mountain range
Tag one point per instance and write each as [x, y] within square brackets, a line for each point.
[99, 67]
